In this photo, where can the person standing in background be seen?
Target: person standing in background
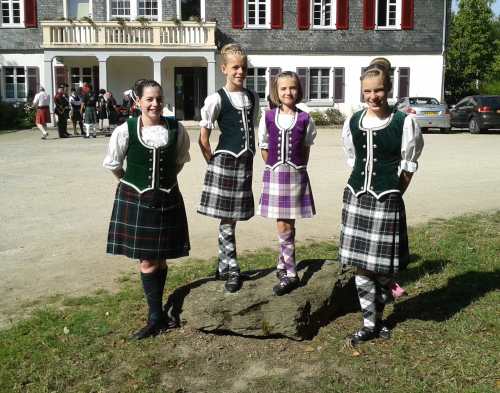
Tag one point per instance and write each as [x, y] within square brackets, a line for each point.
[42, 103]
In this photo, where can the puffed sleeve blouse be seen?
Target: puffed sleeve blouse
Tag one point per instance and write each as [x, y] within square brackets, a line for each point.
[153, 136]
[412, 142]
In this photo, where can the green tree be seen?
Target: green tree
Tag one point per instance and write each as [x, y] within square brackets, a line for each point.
[492, 86]
[471, 47]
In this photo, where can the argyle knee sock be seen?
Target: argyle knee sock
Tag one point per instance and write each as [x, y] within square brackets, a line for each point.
[227, 248]
[286, 259]
[366, 293]
[152, 284]
[87, 129]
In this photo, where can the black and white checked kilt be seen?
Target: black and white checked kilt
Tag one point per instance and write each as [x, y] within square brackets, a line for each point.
[227, 189]
[152, 225]
[374, 234]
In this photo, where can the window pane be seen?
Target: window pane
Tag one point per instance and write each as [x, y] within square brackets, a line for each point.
[382, 13]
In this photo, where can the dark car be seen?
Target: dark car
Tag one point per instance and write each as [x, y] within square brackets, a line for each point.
[478, 113]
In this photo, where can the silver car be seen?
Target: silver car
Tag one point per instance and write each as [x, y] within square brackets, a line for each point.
[428, 112]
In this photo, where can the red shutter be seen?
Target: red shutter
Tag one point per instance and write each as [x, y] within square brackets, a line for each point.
[276, 14]
[368, 14]
[303, 14]
[238, 18]
[407, 14]
[342, 14]
[30, 19]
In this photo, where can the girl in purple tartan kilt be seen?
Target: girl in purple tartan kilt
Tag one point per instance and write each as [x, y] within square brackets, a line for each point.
[148, 221]
[285, 136]
[382, 146]
[227, 189]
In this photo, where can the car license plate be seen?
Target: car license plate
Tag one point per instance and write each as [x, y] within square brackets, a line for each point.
[429, 113]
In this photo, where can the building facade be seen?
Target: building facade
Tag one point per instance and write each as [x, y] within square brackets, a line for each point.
[112, 43]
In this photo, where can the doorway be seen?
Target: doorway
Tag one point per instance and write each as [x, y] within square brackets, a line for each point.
[190, 92]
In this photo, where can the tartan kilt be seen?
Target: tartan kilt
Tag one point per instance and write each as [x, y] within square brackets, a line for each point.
[42, 115]
[227, 189]
[152, 225]
[286, 193]
[373, 234]
[90, 115]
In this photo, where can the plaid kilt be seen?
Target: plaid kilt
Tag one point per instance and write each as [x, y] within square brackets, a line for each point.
[152, 225]
[373, 234]
[90, 115]
[286, 193]
[227, 189]
[42, 115]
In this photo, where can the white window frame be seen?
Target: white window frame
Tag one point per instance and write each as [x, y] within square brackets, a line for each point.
[3, 83]
[267, 24]
[333, 15]
[11, 24]
[397, 25]
[80, 76]
[134, 11]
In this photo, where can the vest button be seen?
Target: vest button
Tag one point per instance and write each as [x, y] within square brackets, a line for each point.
[161, 169]
[364, 133]
[150, 169]
[364, 159]
[374, 173]
[364, 146]
[150, 159]
[375, 160]
[374, 134]
[362, 173]
[242, 129]
[374, 146]
[149, 177]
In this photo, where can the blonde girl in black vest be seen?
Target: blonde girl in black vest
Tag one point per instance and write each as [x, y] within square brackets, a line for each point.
[227, 190]
[382, 146]
[148, 221]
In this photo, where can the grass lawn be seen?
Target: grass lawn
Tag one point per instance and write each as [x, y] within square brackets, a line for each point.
[445, 337]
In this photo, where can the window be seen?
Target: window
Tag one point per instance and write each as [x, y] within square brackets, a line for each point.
[81, 75]
[404, 82]
[323, 13]
[148, 9]
[319, 81]
[256, 81]
[120, 8]
[339, 85]
[12, 13]
[132, 9]
[33, 82]
[389, 13]
[258, 13]
[15, 83]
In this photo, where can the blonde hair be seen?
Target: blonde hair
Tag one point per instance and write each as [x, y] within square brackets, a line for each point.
[379, 66]
[233, 49]
[273, 93]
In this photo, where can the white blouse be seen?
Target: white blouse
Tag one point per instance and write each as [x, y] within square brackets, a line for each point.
[285, 122]
[152, 136]
[412, 142]
[213, 104]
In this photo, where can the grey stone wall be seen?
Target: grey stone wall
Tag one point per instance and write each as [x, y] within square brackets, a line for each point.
[29, 40]
[426, 37]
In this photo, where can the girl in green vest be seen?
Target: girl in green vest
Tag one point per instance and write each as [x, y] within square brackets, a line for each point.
[148, 221]
[382, 146]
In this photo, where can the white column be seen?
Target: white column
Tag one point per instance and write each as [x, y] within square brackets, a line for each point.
[210, 77]
[157, 70]
[103, 73]
[178, 9]
[48, 83]
[203, 14]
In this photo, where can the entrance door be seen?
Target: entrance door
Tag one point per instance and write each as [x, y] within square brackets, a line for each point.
[78, 8]
[190, 92]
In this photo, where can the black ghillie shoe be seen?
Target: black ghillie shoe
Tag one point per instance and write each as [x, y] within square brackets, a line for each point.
[233, 282]
[152, 329]
[362, 335]
[286, 285]
[383, 332]
[221, 276]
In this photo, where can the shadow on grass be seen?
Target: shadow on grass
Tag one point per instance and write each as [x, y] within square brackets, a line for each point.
[427, 267]
[443, 303]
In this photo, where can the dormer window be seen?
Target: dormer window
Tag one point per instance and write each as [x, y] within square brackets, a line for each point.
[258, 13]
[389, 14]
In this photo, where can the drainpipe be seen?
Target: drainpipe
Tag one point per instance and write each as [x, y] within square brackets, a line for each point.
[443, 50]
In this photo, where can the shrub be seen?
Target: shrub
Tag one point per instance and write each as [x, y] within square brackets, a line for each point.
[16, 116]
[334, 116]
[319, 118]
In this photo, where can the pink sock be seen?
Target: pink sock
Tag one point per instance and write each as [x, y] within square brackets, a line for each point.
[396, 290]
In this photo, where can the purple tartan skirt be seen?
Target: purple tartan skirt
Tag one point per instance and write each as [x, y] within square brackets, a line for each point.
[286, 193]
[152, 225]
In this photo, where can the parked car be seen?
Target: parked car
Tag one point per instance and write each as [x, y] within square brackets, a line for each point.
[428, 112]
[478, 113]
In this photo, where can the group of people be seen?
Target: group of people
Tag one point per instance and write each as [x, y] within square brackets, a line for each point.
[148, 220]
[88, 109]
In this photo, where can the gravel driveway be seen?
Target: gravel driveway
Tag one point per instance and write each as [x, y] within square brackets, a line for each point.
[56, 200]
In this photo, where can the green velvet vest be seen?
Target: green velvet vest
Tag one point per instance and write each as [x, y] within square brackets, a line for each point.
[234, 139]
[378, 155]
[151, 168]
